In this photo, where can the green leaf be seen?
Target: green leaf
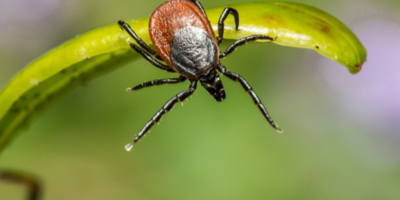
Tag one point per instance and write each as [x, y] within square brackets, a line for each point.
[104, 49]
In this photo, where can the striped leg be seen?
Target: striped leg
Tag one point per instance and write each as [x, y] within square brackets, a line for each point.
[167, 107]
[247, 87]
[157, 82]
[243, 41]
[222, 18]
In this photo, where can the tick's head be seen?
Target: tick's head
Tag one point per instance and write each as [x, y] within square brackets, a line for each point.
[211, 81]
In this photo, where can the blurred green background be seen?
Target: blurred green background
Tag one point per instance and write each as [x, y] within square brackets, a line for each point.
[342, 131]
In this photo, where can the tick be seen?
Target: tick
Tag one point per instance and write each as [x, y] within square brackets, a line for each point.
[186, 44]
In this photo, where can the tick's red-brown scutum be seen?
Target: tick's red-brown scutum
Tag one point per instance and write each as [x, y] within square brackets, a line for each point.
[169, 18]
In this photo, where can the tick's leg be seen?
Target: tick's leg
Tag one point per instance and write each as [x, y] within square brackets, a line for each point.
[167, 107]
[222, 18]
[31, 182]
[247, 87]
[157, 82]
[198, 4]
[243, 41]
[141, 43]
[150, 59]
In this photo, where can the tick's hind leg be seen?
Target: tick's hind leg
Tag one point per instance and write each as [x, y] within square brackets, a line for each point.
[147, 52]
[167, 107]
[141, 43]
[247, 87]
[157, 82]
[150, 59]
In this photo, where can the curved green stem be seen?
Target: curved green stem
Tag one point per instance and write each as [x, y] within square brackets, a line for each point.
[104, 49]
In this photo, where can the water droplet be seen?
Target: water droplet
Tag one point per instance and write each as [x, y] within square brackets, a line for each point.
[129, 147]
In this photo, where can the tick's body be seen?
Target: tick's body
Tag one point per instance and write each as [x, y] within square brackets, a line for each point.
[183, 38]
[185, 42]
